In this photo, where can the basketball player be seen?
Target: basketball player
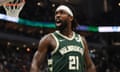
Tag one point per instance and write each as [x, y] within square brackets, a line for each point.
[65, 50]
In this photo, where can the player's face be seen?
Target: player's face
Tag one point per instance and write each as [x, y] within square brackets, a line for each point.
[61, 19]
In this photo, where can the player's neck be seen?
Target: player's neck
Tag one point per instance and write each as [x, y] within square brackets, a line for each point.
[67, 32]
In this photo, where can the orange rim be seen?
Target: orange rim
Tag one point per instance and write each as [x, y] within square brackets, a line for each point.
[15, 4]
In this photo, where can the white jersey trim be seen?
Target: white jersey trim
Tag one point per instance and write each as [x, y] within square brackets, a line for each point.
[66, 36]
[82, 42]
[56, 45]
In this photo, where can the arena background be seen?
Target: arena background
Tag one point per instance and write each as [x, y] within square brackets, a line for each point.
[19, 41]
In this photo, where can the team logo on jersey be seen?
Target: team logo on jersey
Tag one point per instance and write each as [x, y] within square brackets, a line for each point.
[77, 39]
[61, 40]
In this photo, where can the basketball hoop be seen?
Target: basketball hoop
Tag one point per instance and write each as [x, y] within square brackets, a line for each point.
[14, 7]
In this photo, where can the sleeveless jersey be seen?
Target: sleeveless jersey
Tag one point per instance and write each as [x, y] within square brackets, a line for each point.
[68, 55]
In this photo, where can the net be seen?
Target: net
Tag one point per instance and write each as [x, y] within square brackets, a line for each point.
[14, 7]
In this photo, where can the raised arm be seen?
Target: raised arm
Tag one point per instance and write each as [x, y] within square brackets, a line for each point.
[89, 64]
[40, 55]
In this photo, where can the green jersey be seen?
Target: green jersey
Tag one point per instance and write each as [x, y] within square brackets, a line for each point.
[68, 55]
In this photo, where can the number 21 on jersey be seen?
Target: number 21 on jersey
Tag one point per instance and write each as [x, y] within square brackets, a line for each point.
[73, 63]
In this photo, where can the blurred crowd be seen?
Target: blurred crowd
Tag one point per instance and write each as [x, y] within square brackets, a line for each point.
[12, 60]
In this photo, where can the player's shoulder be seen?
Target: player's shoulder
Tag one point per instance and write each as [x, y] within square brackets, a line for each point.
[83, 37]
[46, 37]
[80, 35]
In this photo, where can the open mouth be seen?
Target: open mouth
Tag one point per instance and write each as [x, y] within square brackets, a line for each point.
[58, 22]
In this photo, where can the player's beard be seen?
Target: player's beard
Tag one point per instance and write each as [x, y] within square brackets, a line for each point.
[62, 26]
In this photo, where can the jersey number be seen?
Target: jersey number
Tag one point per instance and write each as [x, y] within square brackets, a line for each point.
[73, 63]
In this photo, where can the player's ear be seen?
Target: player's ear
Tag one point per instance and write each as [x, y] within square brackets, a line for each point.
[71, 18]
